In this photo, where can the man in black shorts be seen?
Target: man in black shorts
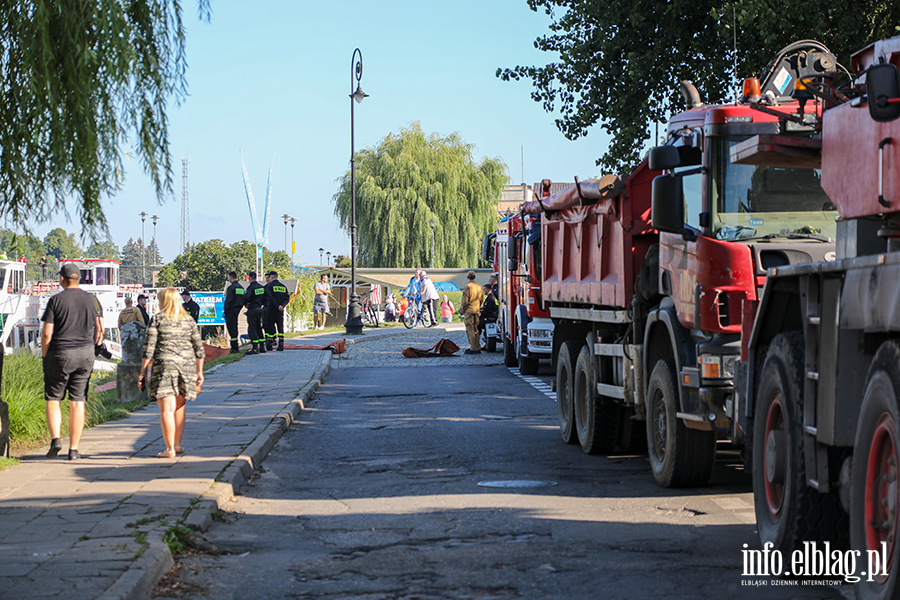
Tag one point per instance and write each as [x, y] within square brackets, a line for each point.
[72, 327]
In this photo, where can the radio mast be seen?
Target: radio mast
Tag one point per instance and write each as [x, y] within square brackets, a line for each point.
[185, 211]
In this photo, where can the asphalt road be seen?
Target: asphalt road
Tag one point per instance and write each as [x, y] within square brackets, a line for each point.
[382, 490]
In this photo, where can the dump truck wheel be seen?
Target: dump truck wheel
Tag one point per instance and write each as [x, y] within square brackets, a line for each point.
[874, 492]
[565, 388]
[596, 418]
[679, 457]
[788, 511]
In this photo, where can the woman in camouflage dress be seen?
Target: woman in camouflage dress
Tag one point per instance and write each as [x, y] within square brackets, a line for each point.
[173, 345]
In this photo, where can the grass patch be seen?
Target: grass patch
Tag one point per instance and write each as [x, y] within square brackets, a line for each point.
[222, 360]
[7, 462]
[178, 539]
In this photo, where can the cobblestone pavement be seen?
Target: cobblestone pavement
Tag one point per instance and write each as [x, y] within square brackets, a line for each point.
[386, 350]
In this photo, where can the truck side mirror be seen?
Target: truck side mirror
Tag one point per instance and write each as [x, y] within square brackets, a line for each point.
[667, 204]
[512, 265]
[883, 84]
[513, 247]
[664, 158]
[487, 251]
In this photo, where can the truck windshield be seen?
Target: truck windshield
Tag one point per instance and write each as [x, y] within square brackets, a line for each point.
[749, 201]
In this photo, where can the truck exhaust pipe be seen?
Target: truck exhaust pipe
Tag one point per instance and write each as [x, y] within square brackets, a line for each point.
[691, 95]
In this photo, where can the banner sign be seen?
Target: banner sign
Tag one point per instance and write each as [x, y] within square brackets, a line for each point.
[212, 310]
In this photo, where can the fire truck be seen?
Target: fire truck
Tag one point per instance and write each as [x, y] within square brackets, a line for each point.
[821, 369]
[524, 326]
[651, 279]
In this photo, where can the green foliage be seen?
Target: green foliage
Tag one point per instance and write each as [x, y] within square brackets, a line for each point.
[206, 265]
[302, 302]
[620, 61]
[410, 180]
[106, 249]
[60, 244]
[77, 81]
[342, 262]
[168, 276]
[15, 245]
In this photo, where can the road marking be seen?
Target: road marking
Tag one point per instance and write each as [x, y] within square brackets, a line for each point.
[535, 383]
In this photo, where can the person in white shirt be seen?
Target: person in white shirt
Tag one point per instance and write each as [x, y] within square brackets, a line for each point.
[390, 309]
[429, 298]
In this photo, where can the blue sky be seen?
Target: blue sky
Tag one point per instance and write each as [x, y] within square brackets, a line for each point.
[275, 76]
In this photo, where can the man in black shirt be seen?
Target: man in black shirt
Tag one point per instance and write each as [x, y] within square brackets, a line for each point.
[191, 307]
[72, 327]
[277, 299]
[256, 298]
[234, 302]
[142, 306]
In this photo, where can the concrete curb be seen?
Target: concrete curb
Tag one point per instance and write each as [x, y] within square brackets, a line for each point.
[142, 576]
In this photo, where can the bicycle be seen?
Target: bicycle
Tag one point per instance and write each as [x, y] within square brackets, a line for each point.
[413, 316]
[368, 311]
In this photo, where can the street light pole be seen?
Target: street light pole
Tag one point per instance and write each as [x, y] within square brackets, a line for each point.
[154, 218]
[143, 250]
[293, 220]
[321, 250]
[285, 217]
[328, 258]
[431, 266]
[354, 324]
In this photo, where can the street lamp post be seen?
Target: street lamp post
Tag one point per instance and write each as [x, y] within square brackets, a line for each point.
[354, 324]
[321, 250]
[154, 218]
[143, 252]
[293, 220]
[328, 258]
[285, 217]
[431, 266]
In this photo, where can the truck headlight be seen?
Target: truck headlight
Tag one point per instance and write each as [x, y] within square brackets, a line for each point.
[716, 366]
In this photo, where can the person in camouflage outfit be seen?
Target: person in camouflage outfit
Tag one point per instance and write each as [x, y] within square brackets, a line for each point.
[174, 347]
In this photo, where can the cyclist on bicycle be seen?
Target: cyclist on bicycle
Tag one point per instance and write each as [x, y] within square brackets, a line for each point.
[414, 290]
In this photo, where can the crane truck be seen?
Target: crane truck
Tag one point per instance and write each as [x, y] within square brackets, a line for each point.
[652, 279]
[821, 370]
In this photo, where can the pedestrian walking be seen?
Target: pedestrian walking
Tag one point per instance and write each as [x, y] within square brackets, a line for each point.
[256, 299]
[429, 298]
[320, 303]
[447, 310]
[470, 307]
[72, 328]
[130, 313]
[234, 302]
[142, 306]
[277, 299]
[190, 306]
[174, 349]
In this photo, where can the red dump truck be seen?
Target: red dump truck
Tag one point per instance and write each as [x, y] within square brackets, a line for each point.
[822, 369]
[652, 279]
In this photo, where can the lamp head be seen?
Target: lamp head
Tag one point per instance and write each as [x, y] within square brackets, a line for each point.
[358, 95]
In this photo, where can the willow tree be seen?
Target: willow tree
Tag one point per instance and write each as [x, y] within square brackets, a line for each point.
[410, 180]
[80, 84]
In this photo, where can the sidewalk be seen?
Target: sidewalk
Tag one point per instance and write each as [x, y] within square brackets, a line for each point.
[94, 528]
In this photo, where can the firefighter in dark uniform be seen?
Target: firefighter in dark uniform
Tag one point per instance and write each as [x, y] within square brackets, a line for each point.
[234, 302]
[256, 298]
[277, 298]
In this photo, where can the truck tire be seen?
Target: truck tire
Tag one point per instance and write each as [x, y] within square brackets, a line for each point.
[565, 388]
[679, 457]
[596, 418]
[632, 434]
[873, 479]
[509, 354]
[788, 512]
[528, 365]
